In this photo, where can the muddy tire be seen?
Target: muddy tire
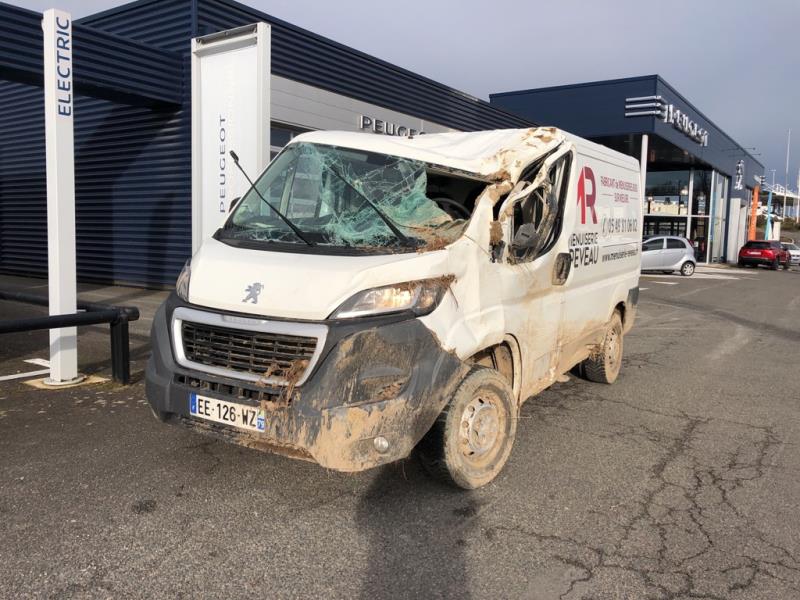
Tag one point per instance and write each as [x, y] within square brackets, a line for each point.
[687, 269]
[471, 440]
[604, 365]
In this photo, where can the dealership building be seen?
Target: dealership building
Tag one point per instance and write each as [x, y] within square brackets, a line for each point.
[133, 119]
[699, 181]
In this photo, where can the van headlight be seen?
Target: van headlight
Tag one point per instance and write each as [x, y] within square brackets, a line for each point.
[182, 283]
[419, 297]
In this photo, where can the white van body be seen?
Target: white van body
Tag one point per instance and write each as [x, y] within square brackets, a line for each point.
[495, 301]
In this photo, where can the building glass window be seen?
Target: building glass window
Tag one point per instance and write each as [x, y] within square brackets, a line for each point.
[664, 226]
[280, 135]
[701, 192]
[699, 238]
[667, 193]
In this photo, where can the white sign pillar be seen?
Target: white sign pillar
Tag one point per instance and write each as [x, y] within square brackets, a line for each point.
[230, 111]
[58, 114]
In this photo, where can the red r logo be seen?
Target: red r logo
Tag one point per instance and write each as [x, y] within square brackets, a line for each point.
[586, 200]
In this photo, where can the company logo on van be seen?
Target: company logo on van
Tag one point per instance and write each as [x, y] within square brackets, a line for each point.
[253, 290]
[587, 197]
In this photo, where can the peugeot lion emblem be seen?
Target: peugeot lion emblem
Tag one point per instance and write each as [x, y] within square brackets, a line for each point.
[252, 291]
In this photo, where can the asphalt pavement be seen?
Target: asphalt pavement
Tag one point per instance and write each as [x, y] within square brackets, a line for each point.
[678, 481]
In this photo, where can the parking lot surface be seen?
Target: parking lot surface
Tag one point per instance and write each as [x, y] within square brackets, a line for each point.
[678, 481]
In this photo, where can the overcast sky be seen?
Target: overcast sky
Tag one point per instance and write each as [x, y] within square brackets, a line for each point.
[738, 61]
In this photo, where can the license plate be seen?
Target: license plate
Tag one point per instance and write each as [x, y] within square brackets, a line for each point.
[754, 253]
[229, 413]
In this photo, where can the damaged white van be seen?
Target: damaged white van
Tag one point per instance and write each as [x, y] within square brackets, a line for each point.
[372, 295]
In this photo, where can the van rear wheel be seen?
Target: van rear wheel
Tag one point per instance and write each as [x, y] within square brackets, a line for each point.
[603, 364]
[471, 440]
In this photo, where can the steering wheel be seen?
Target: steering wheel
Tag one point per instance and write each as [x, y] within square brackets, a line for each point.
[453, 208]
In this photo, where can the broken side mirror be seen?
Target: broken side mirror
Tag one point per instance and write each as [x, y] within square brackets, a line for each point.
[233, 203]
[525, 237]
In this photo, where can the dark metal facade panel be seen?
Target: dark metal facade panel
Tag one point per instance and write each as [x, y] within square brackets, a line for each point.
[309, 58]
[132, 188]
[597, 109]
[722, 151]
[133, 191]
[165, 24]
[105, 65]
[132, 159]
[590, 110]
[23, 192]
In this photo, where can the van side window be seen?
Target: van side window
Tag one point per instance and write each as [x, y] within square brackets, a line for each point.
[544, 211]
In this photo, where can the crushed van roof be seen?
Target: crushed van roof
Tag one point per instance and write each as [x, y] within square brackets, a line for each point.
[495, 155]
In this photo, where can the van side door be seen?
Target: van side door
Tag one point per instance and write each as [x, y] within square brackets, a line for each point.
[603, 225]
[532, 221]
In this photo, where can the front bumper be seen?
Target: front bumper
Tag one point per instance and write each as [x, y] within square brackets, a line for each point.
[381, 377]
[751, 260]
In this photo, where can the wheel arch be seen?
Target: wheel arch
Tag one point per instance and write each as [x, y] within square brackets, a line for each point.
[490, 357]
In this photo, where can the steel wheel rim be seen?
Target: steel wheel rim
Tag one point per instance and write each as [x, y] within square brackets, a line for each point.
[613, 348]
[480, 428]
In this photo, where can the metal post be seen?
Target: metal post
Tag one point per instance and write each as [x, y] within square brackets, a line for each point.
[690, 206]
[751, 231]
[58, 113]
[768, 226]
[712, 213]
[786, 176]
[120, 351]
[643, 178]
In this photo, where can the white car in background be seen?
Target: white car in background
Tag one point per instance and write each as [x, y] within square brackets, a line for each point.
[794, 252]
[668, 253]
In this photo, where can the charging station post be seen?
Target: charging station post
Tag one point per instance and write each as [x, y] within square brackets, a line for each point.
[58, 113]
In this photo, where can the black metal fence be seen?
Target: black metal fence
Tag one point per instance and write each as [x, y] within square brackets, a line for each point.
[117, 317]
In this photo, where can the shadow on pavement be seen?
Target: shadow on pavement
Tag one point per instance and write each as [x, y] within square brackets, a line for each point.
[403, 513]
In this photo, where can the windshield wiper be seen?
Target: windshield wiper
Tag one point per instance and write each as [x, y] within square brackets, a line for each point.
[398, 234]
[286, 220]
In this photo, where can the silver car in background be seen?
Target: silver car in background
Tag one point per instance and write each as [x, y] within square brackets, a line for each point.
[794, 252]
[668, 253]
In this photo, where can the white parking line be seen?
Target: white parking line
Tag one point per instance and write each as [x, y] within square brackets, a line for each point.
[33, 361]
[38, 361]
[22, 375]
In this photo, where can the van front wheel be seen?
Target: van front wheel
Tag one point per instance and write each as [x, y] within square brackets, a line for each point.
[471, 440]
[604, 363]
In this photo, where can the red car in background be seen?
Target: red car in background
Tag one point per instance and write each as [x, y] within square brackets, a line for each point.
[763, 252]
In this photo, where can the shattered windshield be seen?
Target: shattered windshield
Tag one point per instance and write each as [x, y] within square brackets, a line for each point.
[342, 197]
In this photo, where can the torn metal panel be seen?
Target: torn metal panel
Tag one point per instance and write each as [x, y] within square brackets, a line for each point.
[496, 155]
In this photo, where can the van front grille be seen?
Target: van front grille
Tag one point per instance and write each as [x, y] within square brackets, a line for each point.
[259, 353]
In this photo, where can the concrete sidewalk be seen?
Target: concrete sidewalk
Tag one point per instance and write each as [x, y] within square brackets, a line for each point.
[94, 356]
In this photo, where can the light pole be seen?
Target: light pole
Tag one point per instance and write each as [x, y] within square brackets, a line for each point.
[786, 176]
[797, 200]
[768, 226]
